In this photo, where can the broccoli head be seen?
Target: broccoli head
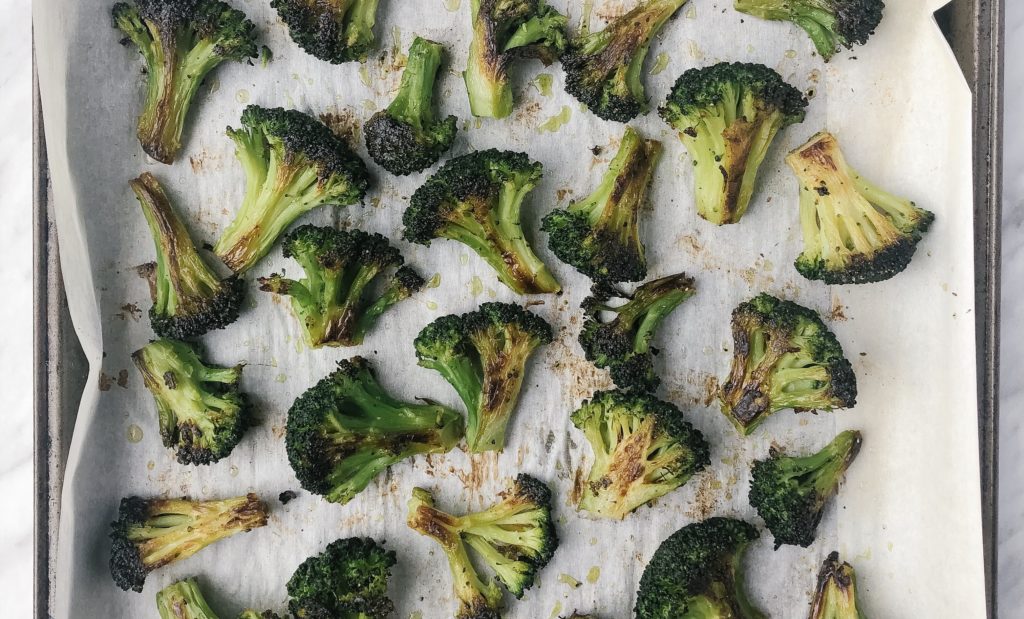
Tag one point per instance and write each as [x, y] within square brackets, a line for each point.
[336, 31]
[293, 163]
[830, 23]
[476, 199]
[854, 231]
[697, 573]
[600, 234]
[150, 533]
[348, 580]
[835, 597]
[783, 357]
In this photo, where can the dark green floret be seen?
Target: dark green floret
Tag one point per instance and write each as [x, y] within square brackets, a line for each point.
[836, 594]
[831, 24]
[336, 31]
[348, 580]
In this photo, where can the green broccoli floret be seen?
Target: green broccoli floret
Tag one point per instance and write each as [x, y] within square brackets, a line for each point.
[476, 200]
[348, 580]
[643, 449]
[790, 492]
[181, 41]
[604, 70]
[623, 344]
[293, 164]
[407, 136]
[830, 23]
[183, 600]
[483, 355]
[504, 30]
[201, 411]
[727, 116]
[783, 357]
[346, 429]
[836, 594]
[336, 30]
[150, 533]
[600, 234]
[854, 231]
[697, 573]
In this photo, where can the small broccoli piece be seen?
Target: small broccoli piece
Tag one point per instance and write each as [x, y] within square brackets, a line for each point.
[483, 355]
[181, 41]
[576, 615]
[346, 429]
[407, 137]
[783, 357]
[293, 164]
[697, 573]
[790, 492]
[252, 614]
[476, 200]
[623, 344]
[504, 30]
[336, 31]
[836, 594]
[727, 116]
[604, 70]
[183, 600]
[854, 231]
[150, 533]
[201, 411]
[830, 23]
[348, 580]
[643, 449]
[600, 234]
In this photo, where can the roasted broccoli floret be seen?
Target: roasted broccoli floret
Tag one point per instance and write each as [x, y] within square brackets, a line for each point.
[183, 600]
[476, 199]
[727, 115]
[483, 355]
[697, 573]
[293, 163]
[623, 344]
[348, 580]
[150, 533]
[201, 411]
[790, 492]
[181, 41]
[643, 449]
[600, 234]
[504, 30]
[514, 538]
[333, 30]
[336, 302]
[836, 594]
[783, 357]
[407, 136]
[854, 231]
[604, 70]
[830, 23]
[346, 429]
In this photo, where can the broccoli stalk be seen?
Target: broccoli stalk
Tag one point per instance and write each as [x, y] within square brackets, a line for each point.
[830, 23]
[336, 31]
[348, 580]
[836, 594]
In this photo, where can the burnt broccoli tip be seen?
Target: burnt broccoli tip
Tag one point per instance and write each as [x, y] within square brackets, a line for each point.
[349, 579]
[333, 31]
[835, 596]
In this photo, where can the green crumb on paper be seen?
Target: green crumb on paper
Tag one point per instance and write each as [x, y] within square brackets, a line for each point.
[543, 84]
[566, 579]
[659, 63]
[555, 123]
[434, 281]
[594, 574]
[265, 56]
[476, 286]
[431, 305]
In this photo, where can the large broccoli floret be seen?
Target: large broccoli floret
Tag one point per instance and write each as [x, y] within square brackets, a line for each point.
[407, 136]
[336, 302]
[727, 116]
[854, 231]
[181, 41]
[336, 30]
[830, 23]
[783, 357]
[623, 344]
[600, 234]
[697, 573]
[790, 492]
[201, 411]
[836, 594]
[150, 533]
[483, 355]
[346, 429]
[348, 580]
[293, 163]
[476, 200]
[604, 70]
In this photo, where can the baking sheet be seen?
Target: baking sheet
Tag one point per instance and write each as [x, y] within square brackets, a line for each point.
[903, 122]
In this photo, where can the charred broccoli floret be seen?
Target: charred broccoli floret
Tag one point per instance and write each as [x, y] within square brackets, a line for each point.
[854, 231]
[697, 573]
[600, 234]
[336, 31]
[150, 533]
[830, 23]
[348, 580]
[835, 597]
[183, 600]
[181, 41]
[293, 163]
[346, 429]
[483, 355]
[727, 116]
[476, 200]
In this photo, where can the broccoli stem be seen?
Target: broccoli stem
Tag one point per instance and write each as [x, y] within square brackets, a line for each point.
[644, 25]
[824, 470]
[361, 19]
[179, 528]
[413, 104]
[505, 360]
[650, 306]
[815, 17]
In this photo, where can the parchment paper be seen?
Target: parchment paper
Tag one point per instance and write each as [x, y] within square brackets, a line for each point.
[908, 516]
